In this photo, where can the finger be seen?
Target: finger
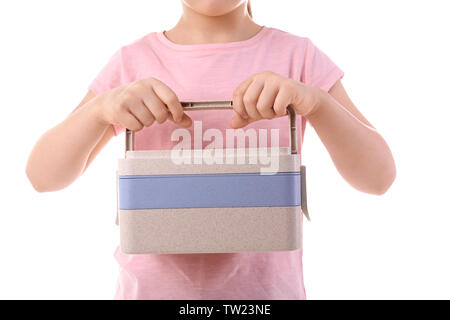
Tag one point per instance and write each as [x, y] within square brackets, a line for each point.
[266, 100]
[170, 99]
[142, 113]
[185, 121]
[238, 122]
[238, 98]
[129, 121]
[156, 106]
[282, 100]
[251, 98]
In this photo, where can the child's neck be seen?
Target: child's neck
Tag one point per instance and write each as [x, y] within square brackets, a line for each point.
[196, 28]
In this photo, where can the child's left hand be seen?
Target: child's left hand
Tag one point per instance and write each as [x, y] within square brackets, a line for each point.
[266, 95]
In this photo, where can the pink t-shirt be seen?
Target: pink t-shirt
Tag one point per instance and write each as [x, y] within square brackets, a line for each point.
[212, 72]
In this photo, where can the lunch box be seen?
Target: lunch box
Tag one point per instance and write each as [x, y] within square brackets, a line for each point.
[232, 206]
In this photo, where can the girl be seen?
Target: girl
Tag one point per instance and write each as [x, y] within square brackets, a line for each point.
[215, 52]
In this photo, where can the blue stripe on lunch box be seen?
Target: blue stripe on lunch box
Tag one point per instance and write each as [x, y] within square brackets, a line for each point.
[209, 191]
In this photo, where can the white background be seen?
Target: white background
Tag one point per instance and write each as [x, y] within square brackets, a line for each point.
[396, 58]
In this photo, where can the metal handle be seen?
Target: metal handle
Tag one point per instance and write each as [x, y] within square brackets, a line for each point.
[220, 105]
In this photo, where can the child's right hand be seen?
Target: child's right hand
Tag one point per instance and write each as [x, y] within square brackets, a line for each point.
[139, 104]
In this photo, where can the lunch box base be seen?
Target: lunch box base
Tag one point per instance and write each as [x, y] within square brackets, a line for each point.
[210, 230]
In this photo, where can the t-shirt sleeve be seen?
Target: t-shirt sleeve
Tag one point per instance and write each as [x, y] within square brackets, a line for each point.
[110, 77]
[319, 70]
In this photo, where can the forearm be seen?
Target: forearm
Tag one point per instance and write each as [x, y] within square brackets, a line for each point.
[358, 151]
[60, 155]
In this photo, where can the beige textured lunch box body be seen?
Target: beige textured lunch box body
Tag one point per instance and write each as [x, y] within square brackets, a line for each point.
[169, 208]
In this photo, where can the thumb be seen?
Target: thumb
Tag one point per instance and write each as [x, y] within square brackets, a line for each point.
[238, 122]
[186, 121]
